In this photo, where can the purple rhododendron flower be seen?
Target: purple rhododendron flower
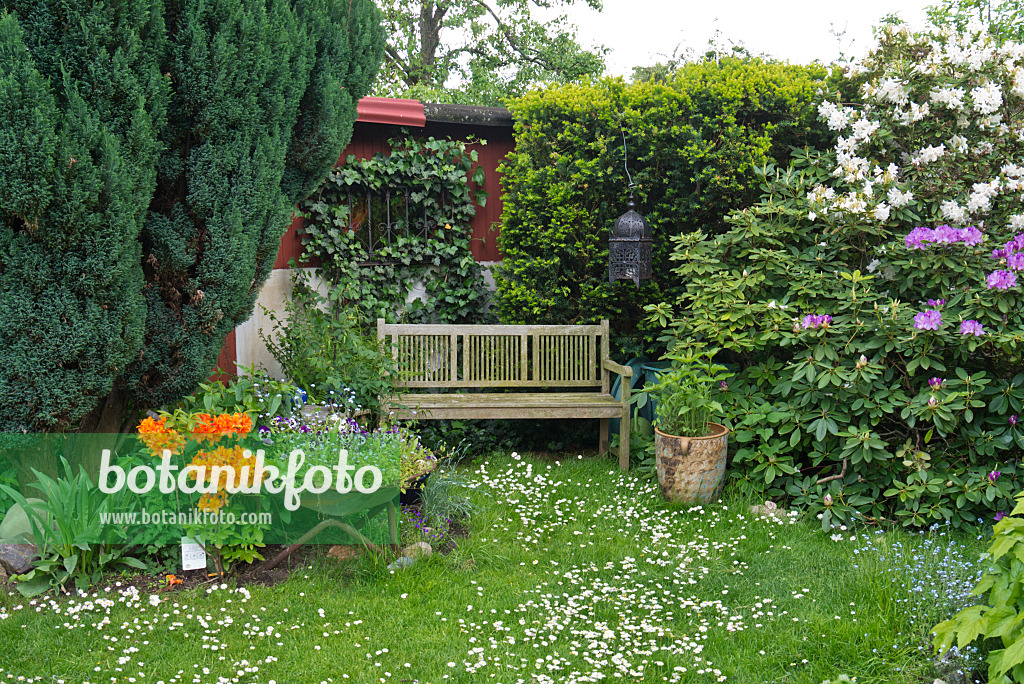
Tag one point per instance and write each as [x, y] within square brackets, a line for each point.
[917, 238]
[1001, 280]
[971, 236]
[723, 385]
[921, 237]
[828, 500]
[1012, 420]
[936, 302]
[999, 516]
[816, 320]
[935, 383]
[972, 327]
[928, 320]
[944, 235]
[1015, 261]
[994, 475]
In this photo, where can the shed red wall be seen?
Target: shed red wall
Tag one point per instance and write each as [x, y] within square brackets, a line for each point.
[370, 138]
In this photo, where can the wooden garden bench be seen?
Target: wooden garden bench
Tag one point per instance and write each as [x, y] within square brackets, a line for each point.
[557, 371]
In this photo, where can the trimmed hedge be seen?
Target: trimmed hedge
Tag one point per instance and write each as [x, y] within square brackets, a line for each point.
[694, 144]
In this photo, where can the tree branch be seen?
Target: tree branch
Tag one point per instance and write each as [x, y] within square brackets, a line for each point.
[840, 476]
[510, 38]
[397, 60]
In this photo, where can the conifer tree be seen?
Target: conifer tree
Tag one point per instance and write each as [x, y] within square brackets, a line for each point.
[151, 152]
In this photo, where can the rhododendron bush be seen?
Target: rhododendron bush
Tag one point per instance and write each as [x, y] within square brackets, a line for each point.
[871, 300]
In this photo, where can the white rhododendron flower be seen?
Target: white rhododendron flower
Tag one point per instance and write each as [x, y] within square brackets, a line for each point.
[952, 211]
[882, 212]
[953, 98]
[929, 154]
[899, 199]
[836, 117]
[958, 143]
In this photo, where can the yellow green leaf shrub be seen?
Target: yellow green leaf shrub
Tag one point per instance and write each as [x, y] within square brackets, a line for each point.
[694, 143]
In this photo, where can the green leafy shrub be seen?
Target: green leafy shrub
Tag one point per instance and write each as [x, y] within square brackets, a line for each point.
[73, 543]
[1001, 616]
[694, 144]
[879, 370]
[324, 347]
[253, 392]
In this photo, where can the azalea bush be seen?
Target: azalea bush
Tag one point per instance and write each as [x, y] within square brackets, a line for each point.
[870, 301]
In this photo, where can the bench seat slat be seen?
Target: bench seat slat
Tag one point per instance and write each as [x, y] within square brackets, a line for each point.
[508, 405]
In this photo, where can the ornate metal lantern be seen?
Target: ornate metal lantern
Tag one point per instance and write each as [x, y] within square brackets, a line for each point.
[630, 246]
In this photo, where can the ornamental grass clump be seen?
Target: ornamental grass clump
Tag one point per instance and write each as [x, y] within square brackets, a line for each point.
[864, 271]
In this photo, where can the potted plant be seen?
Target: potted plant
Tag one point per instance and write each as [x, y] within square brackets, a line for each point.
[689, 450]
[417, 463]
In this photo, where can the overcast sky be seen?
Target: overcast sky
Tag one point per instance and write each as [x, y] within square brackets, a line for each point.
[642, 32]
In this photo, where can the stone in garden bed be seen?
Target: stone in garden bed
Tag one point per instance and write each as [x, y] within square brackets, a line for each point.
[17, 559]
[344, 553]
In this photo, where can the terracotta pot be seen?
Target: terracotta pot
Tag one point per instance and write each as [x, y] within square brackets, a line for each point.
[691, 469]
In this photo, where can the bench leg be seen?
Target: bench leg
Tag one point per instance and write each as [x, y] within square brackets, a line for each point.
[602, 447]
[624, 433]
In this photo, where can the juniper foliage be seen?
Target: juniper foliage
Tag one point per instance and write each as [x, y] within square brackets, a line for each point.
[151, 152]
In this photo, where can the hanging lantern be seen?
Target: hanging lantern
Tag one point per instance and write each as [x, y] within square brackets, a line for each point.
[630, 249]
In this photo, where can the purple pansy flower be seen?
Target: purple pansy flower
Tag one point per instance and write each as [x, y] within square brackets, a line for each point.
[971, 327]
[928, 320]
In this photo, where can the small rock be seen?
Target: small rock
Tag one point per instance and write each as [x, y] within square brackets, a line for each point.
[3, 576]
[343, 553]
[17, 559]
[416, 550]
[770, 509]
[403, 562]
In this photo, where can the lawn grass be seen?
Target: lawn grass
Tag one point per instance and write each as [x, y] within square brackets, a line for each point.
[573, 573]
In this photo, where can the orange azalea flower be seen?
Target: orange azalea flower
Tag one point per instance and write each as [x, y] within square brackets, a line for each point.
[148, 425]
[157, 437]
[211, 503]
[234, 458]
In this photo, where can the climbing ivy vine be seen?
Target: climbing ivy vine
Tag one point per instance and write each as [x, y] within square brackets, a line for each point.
[375, 275]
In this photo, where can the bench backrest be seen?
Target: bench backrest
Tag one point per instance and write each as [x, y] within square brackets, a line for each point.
[498, 355]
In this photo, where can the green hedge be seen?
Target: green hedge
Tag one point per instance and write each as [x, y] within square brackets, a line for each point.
[694, 144]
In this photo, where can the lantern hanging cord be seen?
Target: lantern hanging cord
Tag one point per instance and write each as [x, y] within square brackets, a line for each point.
[625, 159]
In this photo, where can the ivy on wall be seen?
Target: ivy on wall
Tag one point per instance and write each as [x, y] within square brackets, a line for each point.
[383, 227]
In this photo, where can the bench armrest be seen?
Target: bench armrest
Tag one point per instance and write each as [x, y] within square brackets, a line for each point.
[618, 369]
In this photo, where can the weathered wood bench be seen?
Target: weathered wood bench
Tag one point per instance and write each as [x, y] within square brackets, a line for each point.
[536, 358]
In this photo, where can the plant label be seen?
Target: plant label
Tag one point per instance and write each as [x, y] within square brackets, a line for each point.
[192, 555]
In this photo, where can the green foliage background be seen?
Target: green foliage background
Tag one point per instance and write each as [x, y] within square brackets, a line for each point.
[694, 142]
[151, 153]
